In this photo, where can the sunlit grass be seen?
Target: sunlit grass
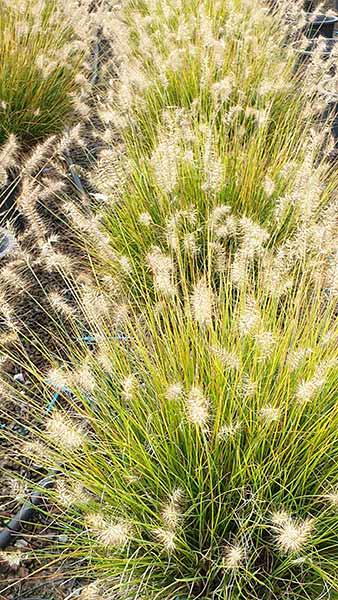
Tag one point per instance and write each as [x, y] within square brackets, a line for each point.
[197, 459]
[40, 61]
[212, 111]
[192, 438]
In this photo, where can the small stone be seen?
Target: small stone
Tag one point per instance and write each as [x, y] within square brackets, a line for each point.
[21, 543]
[7, 242]
[100, 197]
[63, 538]
[19, 377]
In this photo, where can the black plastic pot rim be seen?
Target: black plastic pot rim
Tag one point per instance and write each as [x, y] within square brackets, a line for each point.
[320, 19]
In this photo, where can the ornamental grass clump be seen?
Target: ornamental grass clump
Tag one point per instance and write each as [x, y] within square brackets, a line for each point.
[220, 129]
[195, 454]
[213, 98]
[41, 71]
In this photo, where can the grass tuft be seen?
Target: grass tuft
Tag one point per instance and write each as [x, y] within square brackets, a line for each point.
[40, 61]
[196, 458]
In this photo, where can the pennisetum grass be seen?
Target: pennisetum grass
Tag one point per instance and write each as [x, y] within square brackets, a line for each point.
[42, 67]
[255, 169]
[195, 446]
[217, 122]
[194, 441]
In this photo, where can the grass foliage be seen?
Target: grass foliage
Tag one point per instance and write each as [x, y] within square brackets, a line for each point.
[197, 456]
[40, 61]
[213, 111]
[194, 443]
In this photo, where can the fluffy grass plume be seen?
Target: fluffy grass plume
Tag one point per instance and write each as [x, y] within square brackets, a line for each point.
[41, 58]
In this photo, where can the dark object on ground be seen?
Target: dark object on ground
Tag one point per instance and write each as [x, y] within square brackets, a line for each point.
[332, 111]
[320, 25]
[25, 513]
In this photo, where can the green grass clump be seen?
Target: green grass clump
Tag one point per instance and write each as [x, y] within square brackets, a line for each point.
[213, 113]
[40, 61]
[197, 459]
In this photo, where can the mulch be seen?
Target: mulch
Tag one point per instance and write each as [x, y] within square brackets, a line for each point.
[32, 579]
